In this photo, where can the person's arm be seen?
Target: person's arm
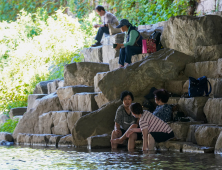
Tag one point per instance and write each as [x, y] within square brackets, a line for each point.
[133, 36]
[145, 139]
[117, 128]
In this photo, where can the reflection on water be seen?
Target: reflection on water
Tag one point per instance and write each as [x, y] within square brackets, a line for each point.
[52, 158]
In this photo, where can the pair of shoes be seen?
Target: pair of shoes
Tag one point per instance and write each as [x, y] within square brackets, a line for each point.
[120, 66]
[96, 44]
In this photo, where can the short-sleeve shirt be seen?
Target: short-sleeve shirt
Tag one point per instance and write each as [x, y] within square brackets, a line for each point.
[109, 18]
[153, 123]
[124, 119]
[164, 112]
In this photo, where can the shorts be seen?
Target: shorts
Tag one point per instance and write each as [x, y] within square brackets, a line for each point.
[139, 135]
[161, 136]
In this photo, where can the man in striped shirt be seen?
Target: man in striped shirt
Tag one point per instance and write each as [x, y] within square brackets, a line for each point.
[106, 18]
[149, 124]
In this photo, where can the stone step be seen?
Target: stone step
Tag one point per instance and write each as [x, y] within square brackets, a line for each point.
[99, 141]
[114, 63]
[59, 122]
[209, 53]
[93, 54]
[66, 141]
[53, 86]
[181, 86]
[213, 110]
[180, 129]
[19, 111]
[97, 78]
[192, 107]
[32, 100]
[41, 88]
[84, 102]
[211, 69]
[190, 147]
[109, 53]
[54, 140]
[65, 93]
[83, 73]
[113, 39]
[101, 99]
[152, 26]
[170, 146]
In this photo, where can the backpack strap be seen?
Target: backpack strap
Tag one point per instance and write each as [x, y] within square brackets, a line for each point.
[207, 93]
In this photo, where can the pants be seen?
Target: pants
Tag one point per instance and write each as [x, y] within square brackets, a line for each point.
[127, 53]
[100, 33]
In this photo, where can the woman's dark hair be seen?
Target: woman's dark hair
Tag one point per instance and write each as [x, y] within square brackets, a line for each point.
[162, 95]
[99, 8]
[136, 108]
[126, 93]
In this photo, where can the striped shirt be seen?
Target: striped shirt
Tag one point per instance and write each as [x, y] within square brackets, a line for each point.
[110, 18]
[153, 123]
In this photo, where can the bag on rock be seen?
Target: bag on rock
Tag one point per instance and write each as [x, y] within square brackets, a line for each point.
[197, 87]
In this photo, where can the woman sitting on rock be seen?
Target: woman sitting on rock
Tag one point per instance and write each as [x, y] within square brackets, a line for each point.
[149, 124]
[132, 42]
[124, 121]
[163, 110]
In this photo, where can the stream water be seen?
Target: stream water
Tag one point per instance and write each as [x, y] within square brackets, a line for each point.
[17, 157]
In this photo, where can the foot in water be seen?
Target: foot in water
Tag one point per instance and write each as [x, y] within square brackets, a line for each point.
[117, 141]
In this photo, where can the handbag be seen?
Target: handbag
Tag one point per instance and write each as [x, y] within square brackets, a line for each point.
[144, 46]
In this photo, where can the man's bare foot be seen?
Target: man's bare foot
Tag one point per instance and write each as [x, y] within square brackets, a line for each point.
[117, 141]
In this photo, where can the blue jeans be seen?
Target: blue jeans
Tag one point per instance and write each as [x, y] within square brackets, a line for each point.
[127, 53]
[100, 33]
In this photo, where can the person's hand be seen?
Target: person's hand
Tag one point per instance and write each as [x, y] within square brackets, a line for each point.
[118, 46]
[129, 132]
[96, 26]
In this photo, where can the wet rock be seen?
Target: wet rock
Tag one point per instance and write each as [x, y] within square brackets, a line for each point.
[180, 129]
[103, 122]
[97, 78]
[186, 33]
[3, 118]
[83, 73]
[19, 111]
[83, 102]
[53, 86]
[41, 88]
[30, 121]
[73, 117]
[175, 86]
[54, 140]
[164, 65]
[93, 54]
[218, 146]
[170, 145]
[33, 100]
[199, 69]
[190, 147]
[209, 53]
[207, 135]
[101, 99]
[213, 110]
[114, 64]
[41, 139]
[6, 143]
[99, 141]
[193, 107]
[6, 136]
[24, 139]
[66, 141]
[65, 93]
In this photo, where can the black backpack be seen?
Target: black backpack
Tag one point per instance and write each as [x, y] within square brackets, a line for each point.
[197, 87]
[156, 36]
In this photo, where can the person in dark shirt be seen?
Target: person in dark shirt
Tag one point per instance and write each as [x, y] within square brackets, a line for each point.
[163, 110]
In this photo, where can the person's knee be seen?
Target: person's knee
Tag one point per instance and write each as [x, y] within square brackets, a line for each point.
[133, 136]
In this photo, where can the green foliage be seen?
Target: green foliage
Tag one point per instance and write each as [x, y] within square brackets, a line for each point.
[9, 126]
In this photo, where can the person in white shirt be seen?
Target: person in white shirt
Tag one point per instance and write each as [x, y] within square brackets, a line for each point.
[106, 18]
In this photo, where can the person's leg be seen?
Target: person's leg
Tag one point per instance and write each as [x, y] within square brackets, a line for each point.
[100, 33]
[114, 136]
[130, 51]
[131, 141]
[151, 142]
[121, 56]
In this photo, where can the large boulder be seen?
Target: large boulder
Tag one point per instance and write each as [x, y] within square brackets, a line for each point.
[97, 78]
[30, 121]
[53, 86]
[3, 118]
[185, 33]
[32, 100]
[213, 110]
[139, 77]
[103, 122]
[99, 141]
[19, 111]
[41, 88]
[83, 73]
[207, 135]
[65, 93]
[101, 99]
[93, 54]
